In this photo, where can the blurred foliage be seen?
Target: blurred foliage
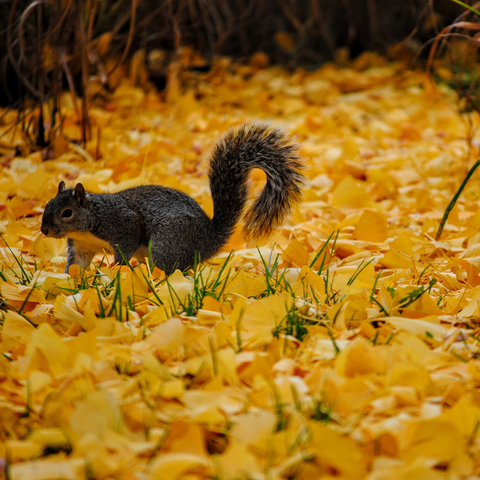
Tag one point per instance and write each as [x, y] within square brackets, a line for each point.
[50, 46]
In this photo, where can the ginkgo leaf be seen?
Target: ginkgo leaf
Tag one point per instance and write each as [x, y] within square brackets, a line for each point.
[173, 466]
[371, 227]
[71, 469]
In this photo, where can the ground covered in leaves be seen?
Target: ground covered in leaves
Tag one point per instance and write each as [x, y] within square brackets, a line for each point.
[345, 348]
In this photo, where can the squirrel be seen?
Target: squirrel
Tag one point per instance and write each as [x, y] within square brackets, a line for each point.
[169, 223]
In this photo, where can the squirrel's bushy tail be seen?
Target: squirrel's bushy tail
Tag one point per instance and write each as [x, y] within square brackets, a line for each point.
[241, 150]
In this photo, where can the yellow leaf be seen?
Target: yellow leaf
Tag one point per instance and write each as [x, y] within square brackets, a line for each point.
[473, 305]
[16, 331]
[349, 194]
[86, 344]
[63, 311]
[360, 358]
[172, 389]
[47, 351]
[244, 285]
[331, 450]
[411, 375]
[22, 450]
[186, 437]
[400, 253]
[134, 286]
[151, 364]
[156, 317]
[207, 318]
[435, 439]
[255, 429]
[261, 318]
[237, 459]
[22, 293]
[175, 290]
[173, 466]
[168, 337]
[316, 283]
[385, 468]
[97, 414]
[49, 437]
[421, 328]
[127, 96]
[37, 381]
[60, 283]
[48, 248]
[47, 469]
[371, 227]
[464, 416]
[91, 297]
[35, 185]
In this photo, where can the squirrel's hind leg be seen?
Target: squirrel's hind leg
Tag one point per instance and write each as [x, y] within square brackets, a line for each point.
[167, 253]
[181, 239]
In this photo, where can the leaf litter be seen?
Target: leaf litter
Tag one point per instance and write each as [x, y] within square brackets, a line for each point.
[345, 347]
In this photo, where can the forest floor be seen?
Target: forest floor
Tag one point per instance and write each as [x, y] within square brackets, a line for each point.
[344, 347]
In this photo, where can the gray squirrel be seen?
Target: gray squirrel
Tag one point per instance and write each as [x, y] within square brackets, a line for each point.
[175, 226]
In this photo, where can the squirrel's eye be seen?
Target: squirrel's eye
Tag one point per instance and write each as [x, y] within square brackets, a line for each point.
[67, 213]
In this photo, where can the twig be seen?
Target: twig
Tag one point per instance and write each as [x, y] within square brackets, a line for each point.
[11, 56]
[133, 14]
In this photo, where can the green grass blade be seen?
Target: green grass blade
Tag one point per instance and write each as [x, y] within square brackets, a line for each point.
[325, 245]
[468, 7]
[455, 197]
[359, 270]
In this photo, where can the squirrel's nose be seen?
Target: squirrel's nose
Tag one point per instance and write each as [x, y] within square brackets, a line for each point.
[45, 230]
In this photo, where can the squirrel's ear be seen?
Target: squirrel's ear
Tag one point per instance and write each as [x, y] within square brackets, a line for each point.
[80, 195]
[61, 187]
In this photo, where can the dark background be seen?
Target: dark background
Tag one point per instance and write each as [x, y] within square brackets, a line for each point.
[52, 46]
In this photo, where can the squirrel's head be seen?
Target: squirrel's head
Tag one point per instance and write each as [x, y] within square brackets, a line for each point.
[67, 212]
